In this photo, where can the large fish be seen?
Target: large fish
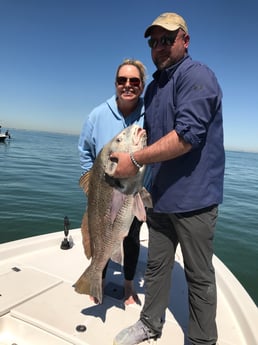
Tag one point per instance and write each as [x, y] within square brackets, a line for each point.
[112, 205]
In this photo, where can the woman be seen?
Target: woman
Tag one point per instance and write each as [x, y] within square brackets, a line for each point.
[103, 123]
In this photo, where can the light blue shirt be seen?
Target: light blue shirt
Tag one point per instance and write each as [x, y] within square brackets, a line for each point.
[101, 125]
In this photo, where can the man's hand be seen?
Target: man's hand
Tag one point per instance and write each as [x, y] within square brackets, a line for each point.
[125, 167]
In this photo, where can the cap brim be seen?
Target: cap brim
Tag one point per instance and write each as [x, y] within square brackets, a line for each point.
[166, 27]
[147, 32]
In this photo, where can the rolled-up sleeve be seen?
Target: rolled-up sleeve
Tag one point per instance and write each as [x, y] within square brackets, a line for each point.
[197, 100]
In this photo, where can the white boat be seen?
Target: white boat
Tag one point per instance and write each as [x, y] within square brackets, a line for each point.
[38, 304]
[3, 137]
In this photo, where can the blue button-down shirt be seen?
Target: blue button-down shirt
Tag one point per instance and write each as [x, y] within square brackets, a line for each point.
[187, 98]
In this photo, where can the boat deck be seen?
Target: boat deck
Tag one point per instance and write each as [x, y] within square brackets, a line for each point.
[38, 304]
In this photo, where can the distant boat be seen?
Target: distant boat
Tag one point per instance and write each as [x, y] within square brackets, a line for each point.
[3, 137]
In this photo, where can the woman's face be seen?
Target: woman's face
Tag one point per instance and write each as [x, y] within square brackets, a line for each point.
[129, 85]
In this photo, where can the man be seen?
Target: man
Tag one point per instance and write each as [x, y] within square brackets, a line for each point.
[185, 149]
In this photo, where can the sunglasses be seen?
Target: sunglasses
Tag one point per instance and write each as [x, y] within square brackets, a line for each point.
[133, 81]
[164, 41]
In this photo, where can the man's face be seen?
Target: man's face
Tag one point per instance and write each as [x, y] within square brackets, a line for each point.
[167, 47]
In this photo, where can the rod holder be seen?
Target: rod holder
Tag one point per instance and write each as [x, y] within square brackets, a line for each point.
[65, 243]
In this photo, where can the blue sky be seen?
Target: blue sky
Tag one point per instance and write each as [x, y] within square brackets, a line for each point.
[58, 58]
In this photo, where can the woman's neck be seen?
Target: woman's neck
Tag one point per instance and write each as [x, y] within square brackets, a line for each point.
[126, 108]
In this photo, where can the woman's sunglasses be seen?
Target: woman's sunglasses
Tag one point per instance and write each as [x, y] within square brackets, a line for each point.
[133, 81]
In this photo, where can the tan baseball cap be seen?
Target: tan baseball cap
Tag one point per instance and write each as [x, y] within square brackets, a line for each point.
[168, 21]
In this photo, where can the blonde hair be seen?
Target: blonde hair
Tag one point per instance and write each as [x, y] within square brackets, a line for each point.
[138, 64]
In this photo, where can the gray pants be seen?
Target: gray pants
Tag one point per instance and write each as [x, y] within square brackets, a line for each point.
[194, 231]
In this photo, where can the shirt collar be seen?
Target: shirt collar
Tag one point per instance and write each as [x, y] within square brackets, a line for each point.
[163, 76]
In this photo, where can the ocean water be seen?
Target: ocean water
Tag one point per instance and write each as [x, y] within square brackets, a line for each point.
[39, 187]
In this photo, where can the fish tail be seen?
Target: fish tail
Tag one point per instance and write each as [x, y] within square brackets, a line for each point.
[90, 283]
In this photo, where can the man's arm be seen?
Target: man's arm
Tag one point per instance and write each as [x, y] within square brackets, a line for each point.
[168, 147]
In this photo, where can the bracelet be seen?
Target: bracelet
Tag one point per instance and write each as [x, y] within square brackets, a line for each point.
[134, 161]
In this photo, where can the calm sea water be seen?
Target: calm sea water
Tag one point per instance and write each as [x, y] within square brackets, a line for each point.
[39, 186]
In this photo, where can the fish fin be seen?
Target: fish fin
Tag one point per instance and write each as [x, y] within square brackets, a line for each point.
[116, 203]
[84, 182]
[146, 198]
[90, 283]
[118, 253]
[138, 208]
[86, 236]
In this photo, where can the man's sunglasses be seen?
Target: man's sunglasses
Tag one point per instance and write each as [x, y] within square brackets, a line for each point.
[133, 81]
[164, 40]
